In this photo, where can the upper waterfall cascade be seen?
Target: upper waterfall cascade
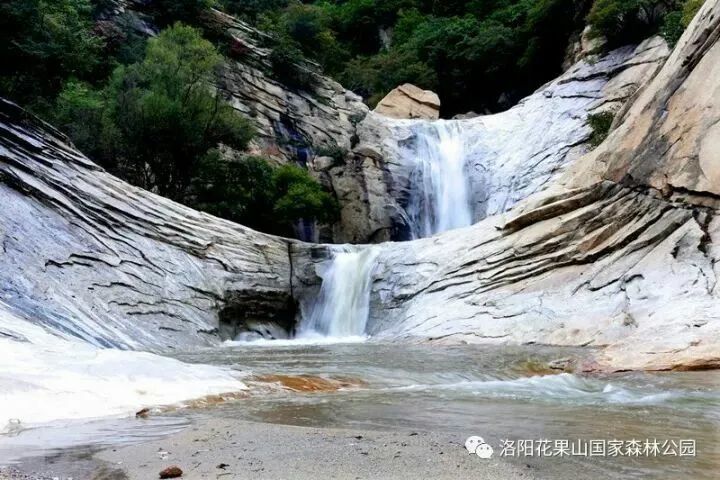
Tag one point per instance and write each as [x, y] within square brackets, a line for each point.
[343, 305]
[440, 194]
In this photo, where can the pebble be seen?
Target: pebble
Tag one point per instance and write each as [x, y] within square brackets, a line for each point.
[171, 472]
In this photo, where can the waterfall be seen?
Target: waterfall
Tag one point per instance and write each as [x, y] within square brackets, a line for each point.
[342, 307]
[439, 192]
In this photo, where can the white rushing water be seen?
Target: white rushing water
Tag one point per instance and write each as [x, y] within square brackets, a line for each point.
[342, 307]
[45, 378]
[440, 196]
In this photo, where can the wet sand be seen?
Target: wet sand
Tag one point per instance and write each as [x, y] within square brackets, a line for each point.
[227, 448]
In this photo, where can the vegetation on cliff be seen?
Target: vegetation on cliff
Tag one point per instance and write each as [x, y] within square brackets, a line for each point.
[480, 55]
[251, 192]
[146, 110]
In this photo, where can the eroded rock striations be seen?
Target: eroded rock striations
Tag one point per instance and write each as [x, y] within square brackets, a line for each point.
[85, 254]
[511, 155]
[620, 253]
[293, 123]
[618, 250]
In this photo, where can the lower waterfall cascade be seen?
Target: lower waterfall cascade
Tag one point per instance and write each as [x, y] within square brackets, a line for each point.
[343, 304]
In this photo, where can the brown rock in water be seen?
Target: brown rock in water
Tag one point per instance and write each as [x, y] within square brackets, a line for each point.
[310, 383]
[144, 413]
[409, 101]
[171, 472]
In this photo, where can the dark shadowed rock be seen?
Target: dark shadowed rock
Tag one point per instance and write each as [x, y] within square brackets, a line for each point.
[171, 472]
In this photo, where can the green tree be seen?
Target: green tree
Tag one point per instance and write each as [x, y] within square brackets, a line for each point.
[80, 112]
[187, 11]
[166, 113]
[374, 76]
[628, 21]
[250, 192]
[299, 196]
[240, 190]
[42, 43]
[156, 119]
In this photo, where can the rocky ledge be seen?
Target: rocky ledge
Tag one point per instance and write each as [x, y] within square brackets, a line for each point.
[86, 255]
[621, 252]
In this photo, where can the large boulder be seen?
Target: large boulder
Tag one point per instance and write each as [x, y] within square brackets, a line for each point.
[409, 101]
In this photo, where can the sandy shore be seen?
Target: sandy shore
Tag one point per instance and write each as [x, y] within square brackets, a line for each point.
[226, 448]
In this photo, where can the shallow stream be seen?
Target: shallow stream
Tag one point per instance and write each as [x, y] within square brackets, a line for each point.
[498, 393]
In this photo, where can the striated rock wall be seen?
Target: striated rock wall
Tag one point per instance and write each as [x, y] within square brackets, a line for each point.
[620, 253]
[293, 123]
[512, 154]
[668, 139]
[86, 255]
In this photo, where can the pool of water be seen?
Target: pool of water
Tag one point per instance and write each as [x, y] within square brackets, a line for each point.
[499, 393]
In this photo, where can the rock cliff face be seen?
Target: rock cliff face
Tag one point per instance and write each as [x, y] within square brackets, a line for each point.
[512, 154]
[292, 122]
[619, 250]
[620, 253]
[84, 254]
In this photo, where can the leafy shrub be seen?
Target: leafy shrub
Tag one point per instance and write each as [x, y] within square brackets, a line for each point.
[600, 124]
[238, 190]
[672, 28]
[299, 196]
[249, 191]
[690, 9]
[42, 44]
[335, 152]
[629, 21]
[289, 66]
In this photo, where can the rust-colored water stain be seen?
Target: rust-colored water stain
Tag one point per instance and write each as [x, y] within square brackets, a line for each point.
[533, 368]
[206, 401]
[310, 383]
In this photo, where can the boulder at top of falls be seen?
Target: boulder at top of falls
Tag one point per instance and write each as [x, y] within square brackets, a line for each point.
[409, 101]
